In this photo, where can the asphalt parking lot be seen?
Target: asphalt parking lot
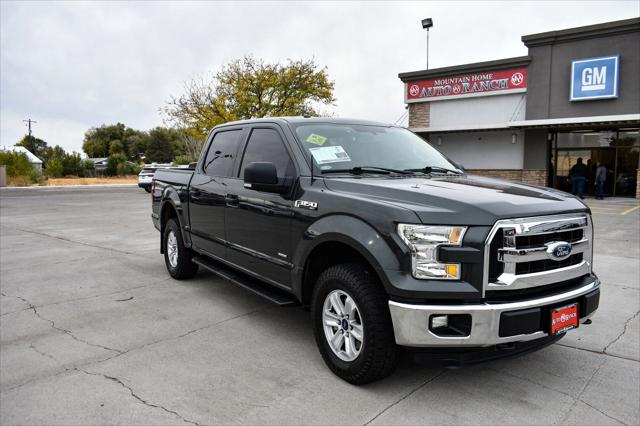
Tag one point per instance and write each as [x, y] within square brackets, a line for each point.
[93, 331]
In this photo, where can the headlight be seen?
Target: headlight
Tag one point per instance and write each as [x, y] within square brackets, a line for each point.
[424, 240]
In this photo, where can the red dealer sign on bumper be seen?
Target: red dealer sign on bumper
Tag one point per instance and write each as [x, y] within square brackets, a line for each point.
[476, 84]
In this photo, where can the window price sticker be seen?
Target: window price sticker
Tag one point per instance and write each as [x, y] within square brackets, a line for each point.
[329, 154]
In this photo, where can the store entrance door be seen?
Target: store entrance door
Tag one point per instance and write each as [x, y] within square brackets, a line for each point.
[566, 160]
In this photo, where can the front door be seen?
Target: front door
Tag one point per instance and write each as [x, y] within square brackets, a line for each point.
[208, 190]
[259, 223]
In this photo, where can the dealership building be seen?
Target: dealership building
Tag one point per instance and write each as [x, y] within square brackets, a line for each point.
[575, 95]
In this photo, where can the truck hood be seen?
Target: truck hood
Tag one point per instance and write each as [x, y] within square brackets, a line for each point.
[462, 200]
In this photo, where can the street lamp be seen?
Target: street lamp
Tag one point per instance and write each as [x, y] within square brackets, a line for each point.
[427, 23]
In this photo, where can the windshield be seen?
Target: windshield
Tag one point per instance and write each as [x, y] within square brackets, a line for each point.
[348, 146]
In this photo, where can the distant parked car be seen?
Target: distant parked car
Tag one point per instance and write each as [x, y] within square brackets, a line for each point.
[145, 178]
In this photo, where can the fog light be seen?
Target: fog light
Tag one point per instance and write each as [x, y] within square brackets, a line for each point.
[439, 321]
[450, 325]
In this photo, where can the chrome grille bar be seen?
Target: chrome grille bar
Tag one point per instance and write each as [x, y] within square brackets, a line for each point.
[509, 255]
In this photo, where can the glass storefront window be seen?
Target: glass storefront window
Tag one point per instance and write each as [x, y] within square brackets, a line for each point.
[618, 151]
[585, 139]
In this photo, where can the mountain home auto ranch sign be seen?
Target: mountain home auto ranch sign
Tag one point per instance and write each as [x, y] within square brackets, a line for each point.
[477, 84]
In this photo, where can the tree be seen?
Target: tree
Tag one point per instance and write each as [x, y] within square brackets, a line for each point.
[35, 145]
[162, 145]
[249, 88]
[98, 141]
[116, 147]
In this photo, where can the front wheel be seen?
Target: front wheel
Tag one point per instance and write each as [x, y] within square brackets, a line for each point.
[352, 324]
[177, 257]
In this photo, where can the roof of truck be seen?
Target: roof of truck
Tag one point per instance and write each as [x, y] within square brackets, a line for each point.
[300, 120]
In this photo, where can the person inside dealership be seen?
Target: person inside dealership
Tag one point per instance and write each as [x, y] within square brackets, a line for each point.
[578, 175]
[601, 177]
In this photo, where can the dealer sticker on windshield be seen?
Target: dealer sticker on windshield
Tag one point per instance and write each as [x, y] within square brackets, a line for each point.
[316, 139]
[329, 154]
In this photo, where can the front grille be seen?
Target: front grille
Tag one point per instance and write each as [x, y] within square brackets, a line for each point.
[521, 256]
[547, 265]
[530, 241]
[496, 268]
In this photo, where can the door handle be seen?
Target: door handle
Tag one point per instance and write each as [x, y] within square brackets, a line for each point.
[194, 194]
[232, 200]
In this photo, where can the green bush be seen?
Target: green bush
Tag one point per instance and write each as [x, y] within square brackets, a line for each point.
[37, 177]
[17, 163]
[55, 169]
[114, 163]
[182, 159]
[88, 165]
[72, 164]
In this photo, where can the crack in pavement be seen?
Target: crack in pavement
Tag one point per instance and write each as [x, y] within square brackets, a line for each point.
[120, 353]
[574, 398]
[42, 353]
[593, 351]
[65, 331]
[414, 390]
[95, 296]
[626, 325]
[138, 397]
[44, 234]
[579, 398]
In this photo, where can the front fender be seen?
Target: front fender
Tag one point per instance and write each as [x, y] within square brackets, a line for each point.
[353, 232]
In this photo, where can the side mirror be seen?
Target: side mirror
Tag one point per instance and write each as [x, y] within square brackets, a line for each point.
[192, 166]
[264, 177]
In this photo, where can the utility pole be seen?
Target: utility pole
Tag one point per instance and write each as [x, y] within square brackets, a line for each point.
[29, 122]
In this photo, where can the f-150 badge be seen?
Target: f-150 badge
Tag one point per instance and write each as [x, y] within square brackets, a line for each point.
[309, 205]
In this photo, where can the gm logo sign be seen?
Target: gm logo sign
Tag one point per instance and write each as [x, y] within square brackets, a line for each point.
[595, 78]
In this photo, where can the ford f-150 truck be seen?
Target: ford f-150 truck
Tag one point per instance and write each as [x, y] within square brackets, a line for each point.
[388, 242]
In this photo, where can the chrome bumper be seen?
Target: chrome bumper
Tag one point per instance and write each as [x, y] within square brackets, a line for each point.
[411, 322]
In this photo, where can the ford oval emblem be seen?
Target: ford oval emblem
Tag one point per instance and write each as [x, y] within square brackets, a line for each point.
[558, 250]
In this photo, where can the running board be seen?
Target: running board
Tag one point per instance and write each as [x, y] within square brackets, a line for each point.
[274, 295]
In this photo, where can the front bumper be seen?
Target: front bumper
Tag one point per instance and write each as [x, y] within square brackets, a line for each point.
[411, 322]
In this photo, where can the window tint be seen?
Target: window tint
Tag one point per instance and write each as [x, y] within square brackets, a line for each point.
[265, 145]
[221, 153]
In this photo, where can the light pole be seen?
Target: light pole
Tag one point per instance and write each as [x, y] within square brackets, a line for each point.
[426, 24]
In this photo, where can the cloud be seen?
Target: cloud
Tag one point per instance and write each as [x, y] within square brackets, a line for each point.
[71, 66]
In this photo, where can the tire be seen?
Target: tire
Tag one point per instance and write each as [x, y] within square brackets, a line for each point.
[377, 354]
[148, 189]
[181, 266]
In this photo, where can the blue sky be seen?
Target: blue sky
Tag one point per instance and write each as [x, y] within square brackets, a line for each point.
[71, 66]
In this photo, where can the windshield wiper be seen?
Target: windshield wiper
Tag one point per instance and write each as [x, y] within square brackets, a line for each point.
[430, 169]
[367, 169]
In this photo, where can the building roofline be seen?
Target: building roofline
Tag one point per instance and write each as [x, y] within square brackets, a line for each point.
[498, 64]
[586, 32]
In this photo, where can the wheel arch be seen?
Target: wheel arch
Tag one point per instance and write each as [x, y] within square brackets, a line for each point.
[339, 239]
[171, 207]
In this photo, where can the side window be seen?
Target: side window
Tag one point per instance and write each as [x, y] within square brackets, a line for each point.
[219, 161]
[266, 145]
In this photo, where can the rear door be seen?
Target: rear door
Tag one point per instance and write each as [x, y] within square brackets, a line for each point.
[208, 190]
[259, 223]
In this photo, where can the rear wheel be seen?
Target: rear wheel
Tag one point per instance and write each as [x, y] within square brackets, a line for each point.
[177, 257]
[352, 324]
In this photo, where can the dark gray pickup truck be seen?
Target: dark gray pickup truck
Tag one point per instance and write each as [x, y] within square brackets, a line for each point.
[387, 241]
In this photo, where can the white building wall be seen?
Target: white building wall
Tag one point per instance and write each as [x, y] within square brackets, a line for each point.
[482, 110]
[482, 150]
